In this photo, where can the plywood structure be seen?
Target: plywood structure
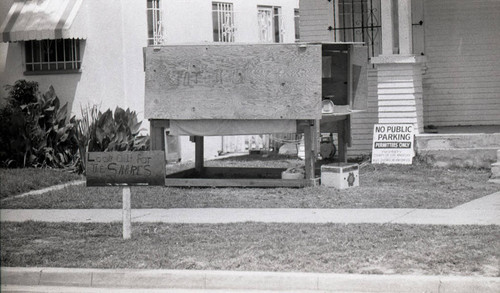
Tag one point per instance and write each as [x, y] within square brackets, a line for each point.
[264, 81]
[216, 89]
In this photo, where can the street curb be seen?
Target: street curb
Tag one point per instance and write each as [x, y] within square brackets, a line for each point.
[191, 279]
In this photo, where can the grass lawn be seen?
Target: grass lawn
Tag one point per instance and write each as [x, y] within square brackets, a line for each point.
[381, 186]
[337, 248]
[17, 181]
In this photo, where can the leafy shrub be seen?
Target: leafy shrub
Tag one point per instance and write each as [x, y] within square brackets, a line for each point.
[103, 132]
[118, 132]
[35, 130]
[22, 92]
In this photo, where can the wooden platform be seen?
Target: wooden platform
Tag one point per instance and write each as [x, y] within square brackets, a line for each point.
[235, 177]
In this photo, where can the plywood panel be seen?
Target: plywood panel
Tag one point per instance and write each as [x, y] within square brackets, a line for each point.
[264, 81]
[125, 168]
[359, 75]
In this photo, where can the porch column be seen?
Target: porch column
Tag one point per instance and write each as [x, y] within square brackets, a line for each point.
[405, 27]
[399, 74]
[399, 90]
[387, 27]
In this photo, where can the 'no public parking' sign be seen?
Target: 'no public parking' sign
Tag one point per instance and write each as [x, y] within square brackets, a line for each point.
[392, 144]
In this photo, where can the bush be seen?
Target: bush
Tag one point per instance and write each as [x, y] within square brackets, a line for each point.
[103, 132]
[35, 131]
[22, 92]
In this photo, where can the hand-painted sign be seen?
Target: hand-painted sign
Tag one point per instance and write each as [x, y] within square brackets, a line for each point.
[125, 168]
[392, 144]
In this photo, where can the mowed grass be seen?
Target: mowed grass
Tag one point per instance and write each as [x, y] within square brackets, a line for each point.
[336, 248]
[16, 181]
[381, 186]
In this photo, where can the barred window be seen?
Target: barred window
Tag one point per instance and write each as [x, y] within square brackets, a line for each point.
[53, 56]
[296, 18]
[155, 23]
[223, 22]
[270, 24]
[358, 21]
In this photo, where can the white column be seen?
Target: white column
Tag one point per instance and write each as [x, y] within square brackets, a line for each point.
[387, 26]
[399, 90]
[405, 27]
[399, 76]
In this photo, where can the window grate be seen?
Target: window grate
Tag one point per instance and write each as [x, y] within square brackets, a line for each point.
[271, 27]
[53, 55]
[358, 21]
[296, 13]
[223, 22]
[155, 23]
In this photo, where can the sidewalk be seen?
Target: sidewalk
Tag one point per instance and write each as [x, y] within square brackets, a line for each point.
[482, 211]
[215, 216]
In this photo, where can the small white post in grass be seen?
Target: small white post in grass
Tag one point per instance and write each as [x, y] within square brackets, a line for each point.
[126, 213]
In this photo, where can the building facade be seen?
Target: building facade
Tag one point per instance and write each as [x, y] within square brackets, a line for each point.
[92, 51]
[433, 62]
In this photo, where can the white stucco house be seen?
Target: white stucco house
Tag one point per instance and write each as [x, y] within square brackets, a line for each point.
[433, 63]
[92, 51]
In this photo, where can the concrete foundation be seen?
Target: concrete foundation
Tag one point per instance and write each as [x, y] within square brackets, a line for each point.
[477, 150]
[495, 170]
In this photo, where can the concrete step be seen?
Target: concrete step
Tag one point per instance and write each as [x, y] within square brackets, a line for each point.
[495, 170]
[463, 158]
[478, 150]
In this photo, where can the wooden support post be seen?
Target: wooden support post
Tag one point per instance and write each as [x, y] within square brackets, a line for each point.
[157, 129]
[342, 138]
[310, 157]
[199, 156]
[126, 213]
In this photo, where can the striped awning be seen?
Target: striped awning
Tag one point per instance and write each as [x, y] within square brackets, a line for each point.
[43, 19]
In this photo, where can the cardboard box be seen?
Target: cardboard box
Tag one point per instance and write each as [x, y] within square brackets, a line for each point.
[340, 175]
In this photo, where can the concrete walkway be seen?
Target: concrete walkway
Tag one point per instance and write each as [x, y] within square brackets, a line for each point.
[483, 211]
[215, 216]
[44, 190]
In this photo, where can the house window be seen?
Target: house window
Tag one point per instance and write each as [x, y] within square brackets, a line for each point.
[155, 23]
[297, 24]
[270, 24]
[223, 22]
[53, 56]
[357, 21]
